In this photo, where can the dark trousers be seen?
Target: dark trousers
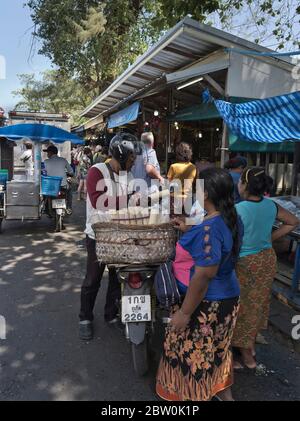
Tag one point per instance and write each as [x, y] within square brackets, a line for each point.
[92, 283]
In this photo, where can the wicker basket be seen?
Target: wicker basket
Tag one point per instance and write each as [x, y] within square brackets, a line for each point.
[123, 244]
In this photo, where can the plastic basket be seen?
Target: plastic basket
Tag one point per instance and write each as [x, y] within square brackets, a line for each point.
[3, 177]
[51, 185]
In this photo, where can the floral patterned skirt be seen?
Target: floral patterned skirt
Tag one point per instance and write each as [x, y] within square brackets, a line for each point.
[197, 363]
[256, 274]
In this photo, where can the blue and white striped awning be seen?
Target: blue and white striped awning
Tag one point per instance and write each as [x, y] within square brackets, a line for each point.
[270, 120]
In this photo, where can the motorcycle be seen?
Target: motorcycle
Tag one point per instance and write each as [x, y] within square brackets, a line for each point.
[138, 311]
[56, 207]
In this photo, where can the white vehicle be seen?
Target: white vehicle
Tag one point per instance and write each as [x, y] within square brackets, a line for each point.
[61, 121]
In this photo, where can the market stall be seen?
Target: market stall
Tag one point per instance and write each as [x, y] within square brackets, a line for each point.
[292, 204]
[273, 120]
[20, 199]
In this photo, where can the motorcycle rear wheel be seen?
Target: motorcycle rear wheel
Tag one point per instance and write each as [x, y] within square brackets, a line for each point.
[59, 223]
[140, 357]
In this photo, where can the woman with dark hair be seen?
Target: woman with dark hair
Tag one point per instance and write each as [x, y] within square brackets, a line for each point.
[183, 171]
[236, 166]
[197, 360]
[256, 267]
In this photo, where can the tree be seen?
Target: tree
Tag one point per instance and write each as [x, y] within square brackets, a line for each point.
[96, 40]
[93, 41]
[54, 92]
[274, 24]
[89, 39]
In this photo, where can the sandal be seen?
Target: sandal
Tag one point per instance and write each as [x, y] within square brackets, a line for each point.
[243, 366]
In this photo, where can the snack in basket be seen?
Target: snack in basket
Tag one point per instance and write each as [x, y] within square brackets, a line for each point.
[154, 216]
[145, 215]
[114, 215]
[123, 216]
[132, 215]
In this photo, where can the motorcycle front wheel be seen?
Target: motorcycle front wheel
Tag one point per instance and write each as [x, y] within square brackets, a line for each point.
[140, 357]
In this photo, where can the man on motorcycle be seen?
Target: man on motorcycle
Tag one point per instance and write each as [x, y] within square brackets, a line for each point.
[122, 151]
[56, 166]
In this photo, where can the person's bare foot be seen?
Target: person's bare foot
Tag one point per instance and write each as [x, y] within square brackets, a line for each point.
[225, 395]
[237, 365]
[247, 358]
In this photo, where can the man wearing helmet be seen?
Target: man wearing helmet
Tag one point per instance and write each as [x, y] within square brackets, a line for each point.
[122, 151]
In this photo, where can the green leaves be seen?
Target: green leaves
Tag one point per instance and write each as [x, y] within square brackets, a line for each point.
[93, 41]
[53, 92]
[92, 26]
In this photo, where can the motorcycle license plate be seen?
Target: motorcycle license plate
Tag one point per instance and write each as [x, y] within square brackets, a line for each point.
[59, 204]
[136, 308]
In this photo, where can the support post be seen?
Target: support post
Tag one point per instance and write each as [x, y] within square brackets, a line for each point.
[224, 148]
[37, 163]
[169, 131]
[225, 137]
[296, 168]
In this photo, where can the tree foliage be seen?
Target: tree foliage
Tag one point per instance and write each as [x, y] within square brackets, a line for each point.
[53, 92]
[274, 24]
[93, 41]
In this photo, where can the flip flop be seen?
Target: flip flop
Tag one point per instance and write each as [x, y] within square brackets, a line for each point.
[243, 366]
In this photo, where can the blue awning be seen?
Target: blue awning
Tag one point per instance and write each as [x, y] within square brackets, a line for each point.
[124, 116]
[270, 120]
[39, 133]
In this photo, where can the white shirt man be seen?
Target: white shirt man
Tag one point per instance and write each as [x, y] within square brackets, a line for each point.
[27, 159]
[152, 164]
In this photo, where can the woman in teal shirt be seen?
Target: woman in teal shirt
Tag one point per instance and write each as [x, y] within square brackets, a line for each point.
[256, 266]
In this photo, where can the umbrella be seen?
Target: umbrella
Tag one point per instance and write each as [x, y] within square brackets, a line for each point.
[39, 133]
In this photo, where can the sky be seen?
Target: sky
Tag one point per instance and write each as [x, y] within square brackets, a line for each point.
[15, 41]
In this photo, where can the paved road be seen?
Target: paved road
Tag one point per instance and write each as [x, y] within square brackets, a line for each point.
[42, 359]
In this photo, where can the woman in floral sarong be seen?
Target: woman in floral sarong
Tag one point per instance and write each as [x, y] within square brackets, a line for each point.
[197, 360]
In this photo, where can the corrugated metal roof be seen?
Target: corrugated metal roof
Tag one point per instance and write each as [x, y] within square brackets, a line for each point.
[187, 42]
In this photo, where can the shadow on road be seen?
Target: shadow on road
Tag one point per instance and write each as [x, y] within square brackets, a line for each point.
[42, 358]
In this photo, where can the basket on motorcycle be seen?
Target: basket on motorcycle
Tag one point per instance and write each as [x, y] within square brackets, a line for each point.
[50, 185]
[125, 244]
[3, 179]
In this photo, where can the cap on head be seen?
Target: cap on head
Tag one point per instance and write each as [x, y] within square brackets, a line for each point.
[28, 145]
